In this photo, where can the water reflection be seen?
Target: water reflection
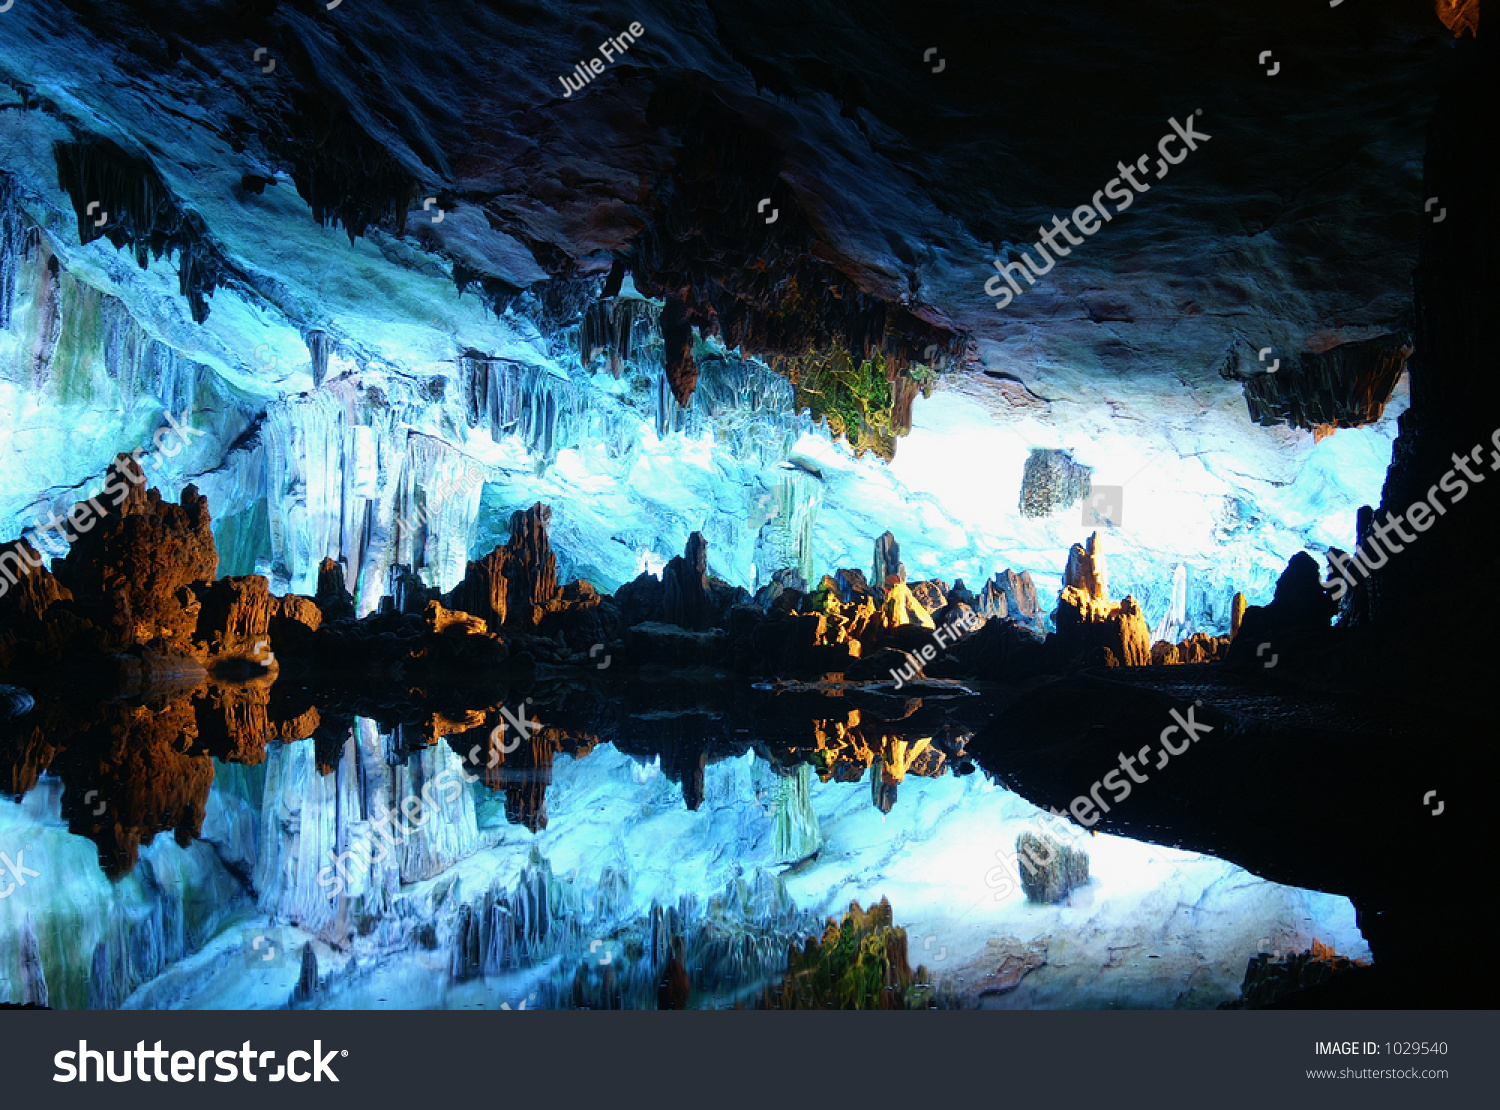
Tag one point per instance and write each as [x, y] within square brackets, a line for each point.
[636, 850]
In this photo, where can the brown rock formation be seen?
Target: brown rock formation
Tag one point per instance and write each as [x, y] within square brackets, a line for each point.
[515, 585]
[1085, 569]
[485, 589]
[234, 620]
[132, 773]
[128, 571]
[1088, 621]
[121, 601]
[1198, 648]
[532, 568]
[1084, 623]
[932, 594]
[333, 600]
[453, 622]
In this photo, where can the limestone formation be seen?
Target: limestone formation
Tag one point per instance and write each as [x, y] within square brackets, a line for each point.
[1085, 569]
[685, 586]
[1087, 620]
[1084, 622]
[1050, 870]
[888, 565]
[1052, 481]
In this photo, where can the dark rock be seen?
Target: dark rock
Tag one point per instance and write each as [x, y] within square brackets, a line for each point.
[784, 582]
[851, 586]
[640, 599]
[332, 597]
[1001, 651]
[877, 667]
[657, 644]
[1020, 596]
[294, 619]
[888, 566]
[1346, 386]
[1101, 655]
[1268, 980]
[307, 981]
[960, 592]
[685, 586]
[1297, 619]
[675, 987]
[407, 591]
[993, 604]
[958, 618]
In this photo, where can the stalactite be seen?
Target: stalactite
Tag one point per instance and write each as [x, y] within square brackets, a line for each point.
[319, 346]
[138, 211]
[795, 834]
[347, 479]
[49, 319]
[143, 366]
[785, 304]
[547, 411]
[12, 244]
[1345, 387]
[616, 327]
[735, 943]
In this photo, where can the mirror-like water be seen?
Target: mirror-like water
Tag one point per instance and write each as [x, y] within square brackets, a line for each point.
[423, 880]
